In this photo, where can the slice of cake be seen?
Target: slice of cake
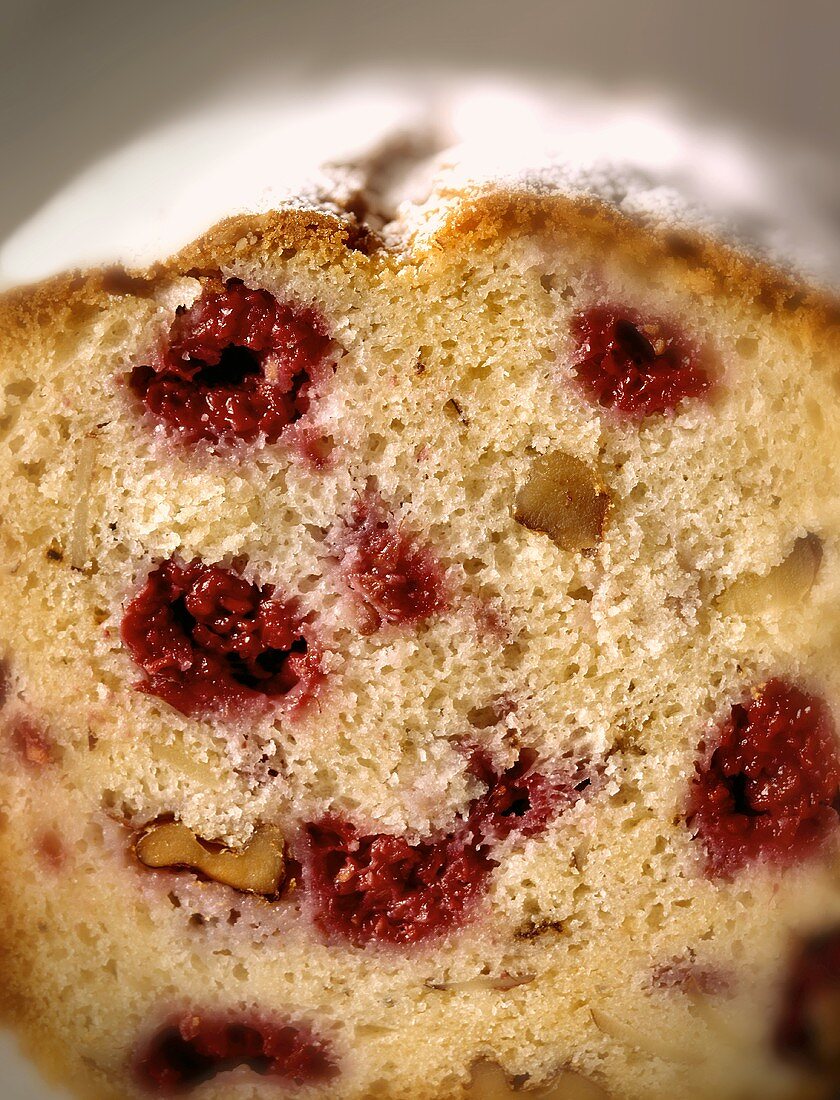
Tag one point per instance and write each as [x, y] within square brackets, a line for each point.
[419, 663]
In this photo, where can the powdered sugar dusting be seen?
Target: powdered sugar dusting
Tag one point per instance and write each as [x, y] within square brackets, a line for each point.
[397, 155]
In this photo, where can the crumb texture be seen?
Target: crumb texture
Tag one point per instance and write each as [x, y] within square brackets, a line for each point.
[418, 670]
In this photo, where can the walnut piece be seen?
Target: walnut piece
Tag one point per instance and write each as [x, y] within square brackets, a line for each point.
[779, 590]
[563, 499]
[257, 868]
[490, 1082]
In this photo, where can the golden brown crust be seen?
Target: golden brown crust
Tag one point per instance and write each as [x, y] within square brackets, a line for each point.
[479, 222]
[703, 264]
[64, 298]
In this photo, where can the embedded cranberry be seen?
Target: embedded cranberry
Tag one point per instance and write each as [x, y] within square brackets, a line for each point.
[34, 747]
[238, 365]
[209, 640]
[809, 1024]
[190, 1050]
[636, 366]
[521, 799]
[401, 580]
[382, 888]
[771, 787]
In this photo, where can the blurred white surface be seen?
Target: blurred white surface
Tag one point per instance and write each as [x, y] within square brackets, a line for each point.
[19, 1080]
[259, 147]
[80, 79]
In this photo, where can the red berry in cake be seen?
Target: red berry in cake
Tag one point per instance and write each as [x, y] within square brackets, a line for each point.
[808, 1028]
[239, 365]
[769, 786]
[401, 580]
[209, 640]
[634, 365]
[32, 744]
[188, 1051]
[382, 888]
[521, 799]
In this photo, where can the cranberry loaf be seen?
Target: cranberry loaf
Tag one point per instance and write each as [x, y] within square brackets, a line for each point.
[419, 664]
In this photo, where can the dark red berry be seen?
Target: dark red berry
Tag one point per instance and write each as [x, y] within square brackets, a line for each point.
[770, 786]
[238, 365]
[382, 888]
[637, 366]
[208, 640]
[808, 1029]
[192, 1049]
[401, 580]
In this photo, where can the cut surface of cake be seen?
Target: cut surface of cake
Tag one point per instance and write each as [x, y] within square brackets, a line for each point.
[419, 663]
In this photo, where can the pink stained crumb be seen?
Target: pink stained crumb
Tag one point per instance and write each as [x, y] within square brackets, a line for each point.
[489, 620]
[400, 579]
[50, 850]
[311, 447]
[684, 973]
[32, 743]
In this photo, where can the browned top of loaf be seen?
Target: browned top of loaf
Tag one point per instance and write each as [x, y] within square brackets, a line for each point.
[480, 220]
